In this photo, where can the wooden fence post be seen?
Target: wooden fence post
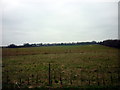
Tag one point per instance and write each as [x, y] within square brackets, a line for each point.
[60, 79]
[49, 74]
[89, 78]
[81, 76]
[118, 75]
[37, 79]
[103, 80]
[20, 81]
[111, 79]
[71, 77]
[20, 78]
[97, 71]
[28, 80]
[7, 77]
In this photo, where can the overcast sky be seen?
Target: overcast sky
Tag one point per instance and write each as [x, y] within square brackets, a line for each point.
[52, 21]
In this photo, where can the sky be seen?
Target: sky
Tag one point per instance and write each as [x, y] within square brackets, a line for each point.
[54, 21]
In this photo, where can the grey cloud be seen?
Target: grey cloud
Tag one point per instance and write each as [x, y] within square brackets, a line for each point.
[54, 22]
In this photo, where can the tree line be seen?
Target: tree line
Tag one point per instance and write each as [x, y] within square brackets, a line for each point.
[111, 43]
[48, 44]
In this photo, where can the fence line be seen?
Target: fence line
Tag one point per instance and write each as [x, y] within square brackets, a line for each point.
[60, 78]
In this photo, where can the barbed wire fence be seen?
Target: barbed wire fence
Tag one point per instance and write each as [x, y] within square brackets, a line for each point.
[55, 75]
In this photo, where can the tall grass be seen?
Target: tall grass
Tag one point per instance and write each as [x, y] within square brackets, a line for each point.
[60, 66]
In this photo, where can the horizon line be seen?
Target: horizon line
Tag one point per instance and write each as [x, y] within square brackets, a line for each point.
[57, 42]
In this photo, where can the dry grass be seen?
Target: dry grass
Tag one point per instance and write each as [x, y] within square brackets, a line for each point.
[67, 62]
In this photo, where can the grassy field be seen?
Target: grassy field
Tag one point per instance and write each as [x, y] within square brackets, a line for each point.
[60, 66]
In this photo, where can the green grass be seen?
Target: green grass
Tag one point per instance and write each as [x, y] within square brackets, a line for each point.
[69, 61]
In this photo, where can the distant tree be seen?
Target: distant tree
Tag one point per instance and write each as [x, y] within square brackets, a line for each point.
[33, 45]
[26, 45]
[93, 42]
[12, 46]
[40, 44]
[111, 43]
